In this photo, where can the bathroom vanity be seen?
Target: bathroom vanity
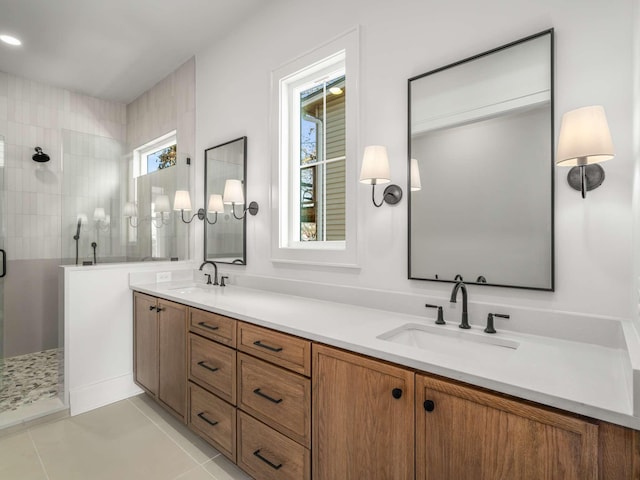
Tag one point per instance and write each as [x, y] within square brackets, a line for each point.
[296, 388]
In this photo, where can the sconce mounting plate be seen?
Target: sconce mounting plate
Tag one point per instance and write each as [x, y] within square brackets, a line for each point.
[201, 214]
[392, 194]
[594, 176]
[253, 208]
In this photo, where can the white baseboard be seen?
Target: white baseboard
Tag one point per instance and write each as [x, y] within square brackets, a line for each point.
[99, 394]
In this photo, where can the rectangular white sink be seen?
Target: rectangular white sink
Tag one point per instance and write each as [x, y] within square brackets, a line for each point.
[448, 340]
[185, 289]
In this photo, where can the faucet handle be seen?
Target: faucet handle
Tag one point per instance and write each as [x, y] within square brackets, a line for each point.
[222, 279]
[208, 278]
[440, 320]
[490, 328]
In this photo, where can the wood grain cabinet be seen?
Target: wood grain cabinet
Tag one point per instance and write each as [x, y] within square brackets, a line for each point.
[274, 402]
[160, 350]
[212, 379]
[463, 432]
[363, 418]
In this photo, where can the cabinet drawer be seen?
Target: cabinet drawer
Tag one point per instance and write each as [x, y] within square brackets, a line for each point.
[285, 350]
[213, 366]
[214, 419]
[269, 455]
[276, 396]
[211, 325]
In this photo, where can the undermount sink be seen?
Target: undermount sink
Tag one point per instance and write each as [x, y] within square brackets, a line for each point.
[189, 289]
[448, 340]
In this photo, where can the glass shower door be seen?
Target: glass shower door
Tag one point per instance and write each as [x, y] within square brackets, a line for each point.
[3, 265]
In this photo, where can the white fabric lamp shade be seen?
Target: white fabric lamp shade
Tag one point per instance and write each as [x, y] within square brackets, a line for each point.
[375, 165]
[215, 204]
[182, 200]
[584, 137]
[130, 210]
[233, 192]
[99, 214]
[416, 184]
[162, 204]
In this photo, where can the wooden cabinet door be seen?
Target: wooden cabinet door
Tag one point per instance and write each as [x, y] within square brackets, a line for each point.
[466, 433]
[145, 326]
[360, 429]
[172, 340]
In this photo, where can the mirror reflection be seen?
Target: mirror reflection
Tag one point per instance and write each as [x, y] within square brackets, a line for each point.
[225, 167]
[481, 166]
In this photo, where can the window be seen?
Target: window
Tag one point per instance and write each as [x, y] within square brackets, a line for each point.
[316, 163]
[155, 155]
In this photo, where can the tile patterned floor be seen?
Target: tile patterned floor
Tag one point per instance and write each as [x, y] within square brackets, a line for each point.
[25, 379]
[131, 439]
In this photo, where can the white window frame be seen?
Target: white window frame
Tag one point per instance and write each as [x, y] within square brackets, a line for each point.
[286, 82]
[140, 153]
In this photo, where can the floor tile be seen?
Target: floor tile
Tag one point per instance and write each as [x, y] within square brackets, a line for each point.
[113, 442]
[19, 459]
[223, 469]
[196, 474]
[197, 448]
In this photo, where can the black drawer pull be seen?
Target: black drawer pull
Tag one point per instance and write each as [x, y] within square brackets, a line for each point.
[203, 364]
[206, 325]
[213, 423]
[272, 465]
[271, 399]
[396, 393]
[160, 309]
[258, 343]
[429, 405]
[152, 307]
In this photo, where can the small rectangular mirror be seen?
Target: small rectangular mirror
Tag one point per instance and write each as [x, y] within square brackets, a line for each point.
[224, 240]
[481, 168]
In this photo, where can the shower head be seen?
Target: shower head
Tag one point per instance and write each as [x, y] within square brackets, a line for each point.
[40, 156]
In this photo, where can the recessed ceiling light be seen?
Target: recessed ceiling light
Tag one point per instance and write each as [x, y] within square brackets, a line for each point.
[10, 40]
[335, 90]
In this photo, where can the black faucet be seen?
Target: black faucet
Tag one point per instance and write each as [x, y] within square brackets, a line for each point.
[465, 317]
[215, 271]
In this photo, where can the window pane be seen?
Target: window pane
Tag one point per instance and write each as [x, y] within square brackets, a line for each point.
[323, 143]
[161, 159]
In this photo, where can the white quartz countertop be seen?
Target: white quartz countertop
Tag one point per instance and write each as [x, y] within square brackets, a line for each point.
[578, 377]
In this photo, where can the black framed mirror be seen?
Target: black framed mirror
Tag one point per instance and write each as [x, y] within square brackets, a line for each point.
[225, 238]
[481, 168]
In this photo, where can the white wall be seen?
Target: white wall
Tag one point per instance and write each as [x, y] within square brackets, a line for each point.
[98, 312]
[399, 40]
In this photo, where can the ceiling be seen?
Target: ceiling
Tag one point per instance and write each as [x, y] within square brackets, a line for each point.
[113, 49]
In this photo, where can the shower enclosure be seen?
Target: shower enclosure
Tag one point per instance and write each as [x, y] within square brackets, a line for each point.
[84, 207]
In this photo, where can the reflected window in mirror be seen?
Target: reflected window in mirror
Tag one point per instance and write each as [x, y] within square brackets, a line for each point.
[481, 168]
[224, 235]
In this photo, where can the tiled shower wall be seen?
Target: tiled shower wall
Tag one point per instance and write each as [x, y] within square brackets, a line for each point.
[34, 114]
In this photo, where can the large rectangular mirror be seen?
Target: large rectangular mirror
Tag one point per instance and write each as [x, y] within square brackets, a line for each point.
[224, 240]
[481, 168]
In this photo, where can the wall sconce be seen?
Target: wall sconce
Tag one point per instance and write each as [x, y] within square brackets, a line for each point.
[234, 195]
[584, 141]
[131, 212]
[182, 202]
[215, 206]
[101, 219]
[375, 171]
[162, 209]
[414, 170]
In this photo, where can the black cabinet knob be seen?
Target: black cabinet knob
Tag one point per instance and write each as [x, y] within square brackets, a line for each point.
[152, 307]
[396, 392]
[429, 406]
